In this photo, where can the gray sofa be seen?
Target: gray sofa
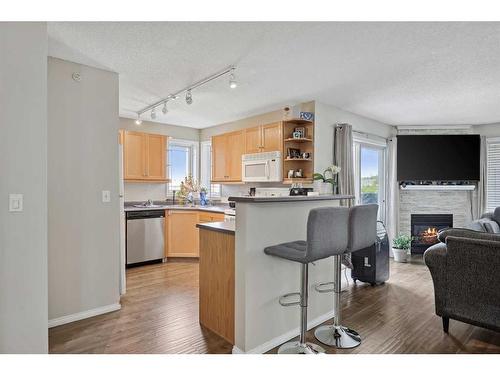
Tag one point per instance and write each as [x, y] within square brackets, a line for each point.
[465, 269]
[489, 222]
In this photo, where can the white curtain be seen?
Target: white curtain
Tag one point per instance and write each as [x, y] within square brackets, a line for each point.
[392, 191]
[343, 157]
[479, 203]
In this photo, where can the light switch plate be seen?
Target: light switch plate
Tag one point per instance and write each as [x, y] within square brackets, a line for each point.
[15, 202]
[106, 196]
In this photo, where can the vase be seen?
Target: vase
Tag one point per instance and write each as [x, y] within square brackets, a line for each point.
[400, 255]
[323, 188]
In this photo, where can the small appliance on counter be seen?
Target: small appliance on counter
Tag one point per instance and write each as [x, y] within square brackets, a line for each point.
[294, 191]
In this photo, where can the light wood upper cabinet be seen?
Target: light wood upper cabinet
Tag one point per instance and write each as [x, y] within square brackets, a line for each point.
[144, 156]
[219, 157]
[156, 157]
[134, 160]
[264, 138]
[226, 156]
[182, 236]
[272, 139]
[228, 148]
[253, 140]
[236, 148]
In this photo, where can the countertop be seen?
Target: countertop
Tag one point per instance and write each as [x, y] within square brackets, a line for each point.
[218, 209]
[297, 198]
[220, 226]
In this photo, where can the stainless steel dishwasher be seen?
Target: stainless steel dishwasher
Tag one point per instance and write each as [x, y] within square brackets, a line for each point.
[145, 236]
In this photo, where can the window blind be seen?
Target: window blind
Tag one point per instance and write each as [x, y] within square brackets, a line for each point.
[493, 172]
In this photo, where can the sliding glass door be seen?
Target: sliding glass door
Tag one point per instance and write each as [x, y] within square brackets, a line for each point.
[369, 174]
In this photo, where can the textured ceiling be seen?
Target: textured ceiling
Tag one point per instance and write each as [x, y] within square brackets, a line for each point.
[396, 73]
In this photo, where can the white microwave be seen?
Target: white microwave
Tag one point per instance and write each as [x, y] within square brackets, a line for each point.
[261, 167]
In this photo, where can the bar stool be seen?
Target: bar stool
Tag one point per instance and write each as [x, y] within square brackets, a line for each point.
[362, 233]
[326, 235]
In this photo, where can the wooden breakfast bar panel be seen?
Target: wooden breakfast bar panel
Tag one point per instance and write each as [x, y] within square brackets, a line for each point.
[217, 281]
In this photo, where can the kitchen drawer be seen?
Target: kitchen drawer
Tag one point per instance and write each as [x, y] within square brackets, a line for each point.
[205, 217]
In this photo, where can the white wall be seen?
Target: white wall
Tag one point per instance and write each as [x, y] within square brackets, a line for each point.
[326, 116]
[140, 191]
[83, 161]
[488, 130]
[23, 166]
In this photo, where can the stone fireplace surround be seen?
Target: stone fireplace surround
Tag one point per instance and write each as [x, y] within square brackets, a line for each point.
[455, 202]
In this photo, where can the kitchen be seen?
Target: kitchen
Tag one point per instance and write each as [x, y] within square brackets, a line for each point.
[172, 225]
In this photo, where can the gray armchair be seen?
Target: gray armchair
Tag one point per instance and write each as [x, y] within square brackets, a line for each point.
[465, 269]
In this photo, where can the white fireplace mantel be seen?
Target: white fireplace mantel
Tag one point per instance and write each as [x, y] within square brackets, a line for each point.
[438, 187]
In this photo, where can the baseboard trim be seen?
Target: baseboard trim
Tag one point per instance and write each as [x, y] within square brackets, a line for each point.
[84, 315]
[265, 347]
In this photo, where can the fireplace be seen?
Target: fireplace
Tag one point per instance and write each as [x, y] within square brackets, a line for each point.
[424, 228]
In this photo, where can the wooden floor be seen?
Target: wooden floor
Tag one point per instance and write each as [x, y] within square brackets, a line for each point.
[160, 315]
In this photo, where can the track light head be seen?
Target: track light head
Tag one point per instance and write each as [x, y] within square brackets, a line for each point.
[164, 110]
[138, 121]
[153, 113]
[232, 80]
[189, 97]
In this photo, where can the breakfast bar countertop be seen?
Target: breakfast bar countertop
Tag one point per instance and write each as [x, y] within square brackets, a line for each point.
[220, 226]
[295, 198]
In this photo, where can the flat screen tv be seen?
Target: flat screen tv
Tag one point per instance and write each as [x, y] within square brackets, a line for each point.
[438, 157]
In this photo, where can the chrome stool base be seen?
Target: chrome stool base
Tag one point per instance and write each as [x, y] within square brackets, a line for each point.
[295, 347]
[337, 336]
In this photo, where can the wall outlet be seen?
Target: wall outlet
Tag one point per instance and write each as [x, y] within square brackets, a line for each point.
[106, 196]
[15, 202]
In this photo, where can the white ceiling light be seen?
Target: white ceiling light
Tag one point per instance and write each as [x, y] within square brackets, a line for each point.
[232, 80]
[189, 97]
[164, 110]
[153, 113]
[138, 121]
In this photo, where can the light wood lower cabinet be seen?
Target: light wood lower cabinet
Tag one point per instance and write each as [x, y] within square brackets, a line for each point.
[181, 234]
[182, 238]
[217, 282]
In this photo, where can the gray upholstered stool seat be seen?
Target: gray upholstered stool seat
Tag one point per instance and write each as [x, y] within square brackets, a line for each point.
[362, 231]
[294, 251]
[326, 235]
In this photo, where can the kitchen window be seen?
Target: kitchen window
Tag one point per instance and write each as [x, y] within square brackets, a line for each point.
[214, 190]
[182, 161]
[493, 173]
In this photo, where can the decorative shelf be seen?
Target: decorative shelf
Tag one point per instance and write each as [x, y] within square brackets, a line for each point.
[297, 159]
[303, 180]
[299, 121]
[439, 187]
[298, 140]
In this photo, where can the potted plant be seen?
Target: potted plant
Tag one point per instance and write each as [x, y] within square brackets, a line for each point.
[324, 183]
[400, 247]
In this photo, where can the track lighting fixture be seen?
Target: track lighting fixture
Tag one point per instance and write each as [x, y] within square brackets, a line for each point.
[138, 121]
[189, 97]
[232, 80]
[188, 90]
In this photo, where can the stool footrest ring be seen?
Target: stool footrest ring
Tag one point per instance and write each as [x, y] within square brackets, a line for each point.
[327, 287]
[283, 299]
